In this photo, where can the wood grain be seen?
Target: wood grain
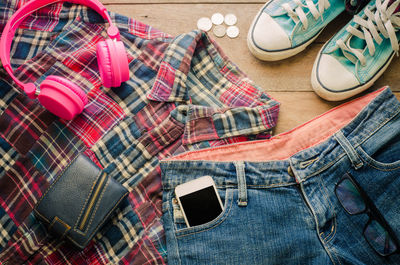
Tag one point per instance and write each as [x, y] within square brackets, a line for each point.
[180, 18]
[288, 81]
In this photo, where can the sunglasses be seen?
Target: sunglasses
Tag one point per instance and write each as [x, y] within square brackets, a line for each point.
[377, 231]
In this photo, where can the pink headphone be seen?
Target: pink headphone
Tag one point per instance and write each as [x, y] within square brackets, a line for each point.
[57, 94]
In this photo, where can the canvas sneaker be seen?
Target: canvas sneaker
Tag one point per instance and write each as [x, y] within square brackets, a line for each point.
[359, 53]
[283, 28]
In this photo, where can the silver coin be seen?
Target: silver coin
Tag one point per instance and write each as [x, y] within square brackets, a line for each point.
[217, 18]
[230, 19]
[232, 32]
[204, 23]
[219, 31]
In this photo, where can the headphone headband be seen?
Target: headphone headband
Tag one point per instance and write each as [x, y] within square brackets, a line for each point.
[27, 9]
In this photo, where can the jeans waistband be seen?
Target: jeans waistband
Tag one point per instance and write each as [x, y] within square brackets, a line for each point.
[294, 156]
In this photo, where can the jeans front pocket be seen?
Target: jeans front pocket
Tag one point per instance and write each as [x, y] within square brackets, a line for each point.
[388, 161]
[381, 151]
[181, 228]
[385, 156]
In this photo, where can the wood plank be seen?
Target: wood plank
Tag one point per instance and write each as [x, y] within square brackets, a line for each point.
[300, 107]
[292, 74]
[184, 16]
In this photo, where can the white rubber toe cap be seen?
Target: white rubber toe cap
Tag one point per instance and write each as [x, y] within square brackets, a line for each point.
[268, 35]
[333, 75]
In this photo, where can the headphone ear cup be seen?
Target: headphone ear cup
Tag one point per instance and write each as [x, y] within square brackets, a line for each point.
[113, 62]
[122, 61]
[62, 97]
[104, 62]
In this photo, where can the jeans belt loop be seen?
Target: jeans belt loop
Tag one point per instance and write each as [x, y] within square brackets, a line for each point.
[349, 149]
[241, 176]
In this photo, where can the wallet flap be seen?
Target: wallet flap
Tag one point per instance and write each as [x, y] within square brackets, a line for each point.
[58, 227]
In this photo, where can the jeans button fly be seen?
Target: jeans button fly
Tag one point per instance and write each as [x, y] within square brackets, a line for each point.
[290, 171]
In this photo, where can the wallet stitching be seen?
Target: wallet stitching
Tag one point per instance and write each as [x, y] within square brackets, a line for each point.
[97, 206]
[62, 222]
[101, 188]
[83, 232]
[101, 223]
[87, 198]
[40, 215]
[56, 180]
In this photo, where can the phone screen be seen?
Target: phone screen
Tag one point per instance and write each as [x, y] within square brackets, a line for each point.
[201, 206]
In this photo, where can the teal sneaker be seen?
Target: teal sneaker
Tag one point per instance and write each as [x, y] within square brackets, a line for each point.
[358, 54]
[283, 28]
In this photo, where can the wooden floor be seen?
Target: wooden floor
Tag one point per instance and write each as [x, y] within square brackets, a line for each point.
[288, 81]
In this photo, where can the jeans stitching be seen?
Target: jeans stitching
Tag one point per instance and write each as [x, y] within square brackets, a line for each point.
[331, 251]
[397, 112]
[376, 164]
[336, 255]
[326, 166]
[234, 186]
[316, 223]
[325, 195]
[382, 169]
[171, 216]
[332, 236]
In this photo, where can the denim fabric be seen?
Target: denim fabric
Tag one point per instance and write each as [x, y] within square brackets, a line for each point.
[292, 215]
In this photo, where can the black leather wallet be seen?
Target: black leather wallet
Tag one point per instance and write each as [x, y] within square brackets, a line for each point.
[79, 201]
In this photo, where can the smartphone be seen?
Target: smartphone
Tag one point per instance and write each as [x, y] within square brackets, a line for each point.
[199, 201]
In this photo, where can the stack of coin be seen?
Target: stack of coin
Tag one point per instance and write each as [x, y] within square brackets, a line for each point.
[220, 30]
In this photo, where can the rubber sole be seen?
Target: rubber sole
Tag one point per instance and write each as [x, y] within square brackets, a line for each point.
[278, 55]
[324, 93]
[273, 55]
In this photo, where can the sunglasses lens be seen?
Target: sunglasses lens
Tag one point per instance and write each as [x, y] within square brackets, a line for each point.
[379, 238]
[350, 197]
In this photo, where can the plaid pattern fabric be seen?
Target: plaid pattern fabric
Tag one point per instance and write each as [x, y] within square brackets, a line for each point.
[101, 114]
[22, 133]
[54, 150]
[183, 94]
[20, 188]
[8, 156]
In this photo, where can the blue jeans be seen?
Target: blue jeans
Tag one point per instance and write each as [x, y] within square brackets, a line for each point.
[279, 196]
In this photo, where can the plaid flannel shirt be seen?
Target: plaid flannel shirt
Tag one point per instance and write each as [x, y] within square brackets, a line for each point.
[183, 94]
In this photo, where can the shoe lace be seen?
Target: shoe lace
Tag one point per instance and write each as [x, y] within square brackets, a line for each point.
[297, 13]
[382, 19]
